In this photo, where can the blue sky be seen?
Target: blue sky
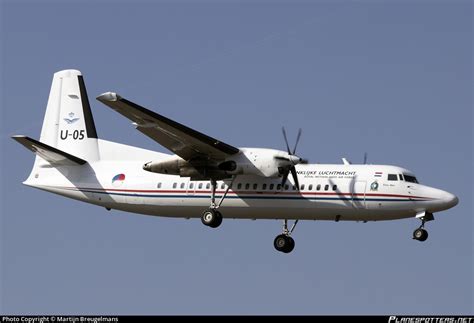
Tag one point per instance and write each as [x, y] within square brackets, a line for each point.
[390, 78]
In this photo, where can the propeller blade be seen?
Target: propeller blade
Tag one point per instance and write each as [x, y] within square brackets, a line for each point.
[297, 140]
[286, 140]
[285, 177]
[295, 177]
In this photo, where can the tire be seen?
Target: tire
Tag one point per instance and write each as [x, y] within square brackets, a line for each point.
[211, 218]
[290, 246]
[424, 236]
[218, 220]
[420, 234]
[280, 242]
[208, 217]
[284, 243]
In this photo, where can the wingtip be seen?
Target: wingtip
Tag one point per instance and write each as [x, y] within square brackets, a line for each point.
[15, 137]
[109, 96]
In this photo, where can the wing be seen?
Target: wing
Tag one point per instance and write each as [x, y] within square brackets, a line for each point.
[185, 142]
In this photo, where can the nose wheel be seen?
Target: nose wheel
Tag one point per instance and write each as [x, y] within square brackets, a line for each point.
[284, 242]
[421, 234]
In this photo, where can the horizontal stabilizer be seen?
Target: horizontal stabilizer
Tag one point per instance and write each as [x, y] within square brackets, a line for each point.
[53, 155]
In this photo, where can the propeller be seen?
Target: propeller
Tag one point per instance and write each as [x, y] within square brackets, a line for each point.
[294, 160]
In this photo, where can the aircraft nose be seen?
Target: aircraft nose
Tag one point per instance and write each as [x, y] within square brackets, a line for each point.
[450, 200]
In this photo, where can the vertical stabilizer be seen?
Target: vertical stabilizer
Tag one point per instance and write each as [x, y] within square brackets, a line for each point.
[68, 124]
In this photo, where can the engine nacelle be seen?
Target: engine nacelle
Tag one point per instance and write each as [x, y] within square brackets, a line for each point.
[168, 166]
[249, 161]
[178, 166]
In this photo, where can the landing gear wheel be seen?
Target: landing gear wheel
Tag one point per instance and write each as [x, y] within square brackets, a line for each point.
[211, 218]
[420, 234]
[284, 243]
[291, 245]
[218, 221]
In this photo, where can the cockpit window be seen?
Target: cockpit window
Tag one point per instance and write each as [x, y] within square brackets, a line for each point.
[409, 178]
[392, 177]
[401, 177]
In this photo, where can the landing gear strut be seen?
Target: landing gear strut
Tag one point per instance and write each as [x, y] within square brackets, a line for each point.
[420, 234]
[284, 242]
[213, 218]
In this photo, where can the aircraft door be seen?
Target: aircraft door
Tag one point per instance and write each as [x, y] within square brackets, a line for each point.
[358, 194]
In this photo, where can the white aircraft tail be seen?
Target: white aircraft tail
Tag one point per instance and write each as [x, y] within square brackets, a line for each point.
[68, 124]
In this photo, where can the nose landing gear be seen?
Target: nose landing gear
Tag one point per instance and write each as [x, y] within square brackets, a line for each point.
[284, 242]
[421, 234]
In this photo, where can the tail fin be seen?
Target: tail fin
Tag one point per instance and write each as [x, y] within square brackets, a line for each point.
[68, 124]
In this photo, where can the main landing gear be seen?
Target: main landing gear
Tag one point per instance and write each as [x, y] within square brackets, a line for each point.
[420, 234]
[212, 217]
[284, 242]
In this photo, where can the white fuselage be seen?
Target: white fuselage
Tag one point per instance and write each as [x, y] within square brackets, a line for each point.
[328, 191]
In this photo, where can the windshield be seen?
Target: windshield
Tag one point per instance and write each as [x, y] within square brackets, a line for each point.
[409, 178]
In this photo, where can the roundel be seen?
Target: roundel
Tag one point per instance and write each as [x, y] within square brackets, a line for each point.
[374, 186]
[118, 179]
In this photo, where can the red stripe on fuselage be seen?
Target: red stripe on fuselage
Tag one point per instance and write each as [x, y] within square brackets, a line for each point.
[247, 192]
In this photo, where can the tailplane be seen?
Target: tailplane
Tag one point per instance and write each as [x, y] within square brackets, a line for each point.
[52, 155]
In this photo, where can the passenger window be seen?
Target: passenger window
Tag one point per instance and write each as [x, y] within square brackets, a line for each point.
[310, 187]
[400, 176]
[191, 185]
[294, 188]
[247, 186]
[392, 177]
[334, 187]
[278, 187]
[286, 187]
[182, 185]
[159, 185]
[255, 186]
[208, 186]
[200, 185]
[239, 186]
[222, 186]
[175, 185]
[302, 187]
[318, 187]
[326, 187]
[264, 186]
[271, 186]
